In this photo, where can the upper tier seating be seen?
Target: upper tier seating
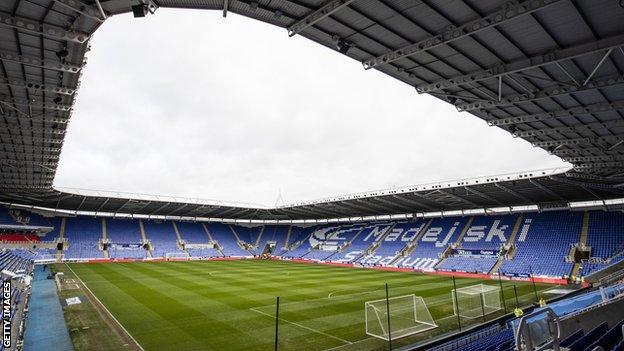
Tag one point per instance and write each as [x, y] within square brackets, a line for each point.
[194, 233]
[125, 238]
[441, 233]
[489, 232]
[222, 233]
[5, 216]
[606, 238]
[401, 234]
[358, 237]
[83, 234]
[543, 244]
[162, 236]
[273, 234]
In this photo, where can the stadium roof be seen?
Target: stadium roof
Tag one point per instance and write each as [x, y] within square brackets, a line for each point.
[547, 71]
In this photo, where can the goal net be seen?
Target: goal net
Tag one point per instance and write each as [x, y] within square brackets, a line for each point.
[476, 300]
[408, 315]
[176, 255]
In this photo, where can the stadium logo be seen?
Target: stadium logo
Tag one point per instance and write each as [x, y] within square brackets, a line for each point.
[330, 238]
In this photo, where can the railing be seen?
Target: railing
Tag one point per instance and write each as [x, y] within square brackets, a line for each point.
[538, 331]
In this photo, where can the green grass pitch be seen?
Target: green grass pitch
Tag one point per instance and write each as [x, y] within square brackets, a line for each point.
[230, 305]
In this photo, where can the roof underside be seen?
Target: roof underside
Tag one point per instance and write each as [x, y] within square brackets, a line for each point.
[547, 71]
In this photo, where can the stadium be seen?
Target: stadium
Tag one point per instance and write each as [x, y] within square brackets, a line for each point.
[530, 260]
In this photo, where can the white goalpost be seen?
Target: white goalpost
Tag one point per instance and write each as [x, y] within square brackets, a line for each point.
[176, 255]
[476, 300]
[409, 315]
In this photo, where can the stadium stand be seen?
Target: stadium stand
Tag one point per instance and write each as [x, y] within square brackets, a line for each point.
[273, 240]
[5, 216]
[542, 249]
[471, 264]
[83, 235]
[195, 233]
[606, 239]
[124, 238]
[162, 236]
[434, 241]
[541, 245]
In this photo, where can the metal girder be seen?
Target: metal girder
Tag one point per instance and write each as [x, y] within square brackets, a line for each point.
[593, 158]
[556, 55]
[412, 202]
[589, 127]
[28, 147]
[421, 196]
[6, 187]
[102, 204]
[37, 62]
[47, 30]
[22, 129]
[602, 60]
[585, 185]
[45, 140]
[398, 206]
[317, 211]
[546, 189]
[564, 152]
[576, 141]
[506, 13]
[29, 136]
[226, 4]
[541, 94]
[357, 207]
[18, 83]
[12, 162]
[371, 202]
[609, 164]
[45, 106]
[569, 112]
[458, 197]
[514, 193]
[46, 152]
[485, 196]
[82, 8]
[318, 15]
[177, 209]
[159, 208]
[35, 119]
[5, 154]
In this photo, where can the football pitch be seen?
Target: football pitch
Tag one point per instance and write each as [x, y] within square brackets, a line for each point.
[230, 305]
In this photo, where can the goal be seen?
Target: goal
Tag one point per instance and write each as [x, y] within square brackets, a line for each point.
[476, 300]
[176, 255]
[409, 315]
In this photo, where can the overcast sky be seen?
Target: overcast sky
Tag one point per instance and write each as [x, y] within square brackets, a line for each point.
[187, 103]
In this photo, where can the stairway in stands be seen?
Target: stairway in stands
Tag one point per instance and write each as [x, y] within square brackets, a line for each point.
[104, 237]
[144, 238]
[510, 244]
[375, 245]
[582, 241]
[411, 246]
[456, 244]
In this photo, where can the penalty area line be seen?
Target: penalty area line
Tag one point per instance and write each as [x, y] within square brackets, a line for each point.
[304, 327]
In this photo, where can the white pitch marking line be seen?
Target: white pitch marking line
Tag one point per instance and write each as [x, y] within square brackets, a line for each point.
[303, 326]
[353, 343]
[105, 309]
